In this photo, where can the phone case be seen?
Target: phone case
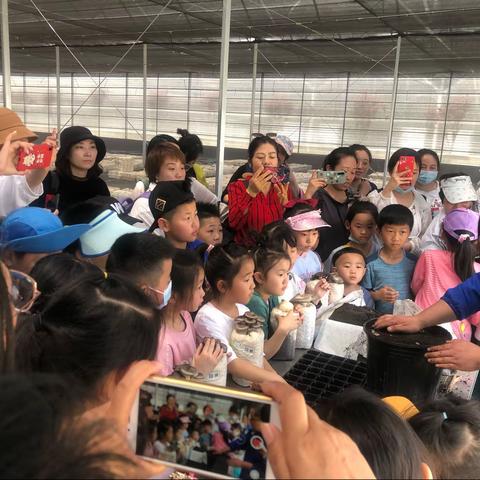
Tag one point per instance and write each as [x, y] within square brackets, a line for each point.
[39, 157]
[406, 163]
[332, 176]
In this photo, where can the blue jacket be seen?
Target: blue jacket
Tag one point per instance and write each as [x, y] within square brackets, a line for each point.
[464, 299]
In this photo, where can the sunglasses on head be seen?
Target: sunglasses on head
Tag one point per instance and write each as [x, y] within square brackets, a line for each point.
[269, 134]
[23, 291]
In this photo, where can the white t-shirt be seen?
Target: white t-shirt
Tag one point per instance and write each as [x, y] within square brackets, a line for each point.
[141, 209]
[212, 322]
[431, 239]
[15, 193]
[307, 264]
[422, 215]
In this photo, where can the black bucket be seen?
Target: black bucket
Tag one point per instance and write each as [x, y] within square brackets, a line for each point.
[396, 363]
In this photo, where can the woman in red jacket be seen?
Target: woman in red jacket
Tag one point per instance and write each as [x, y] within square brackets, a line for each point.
[257, 200]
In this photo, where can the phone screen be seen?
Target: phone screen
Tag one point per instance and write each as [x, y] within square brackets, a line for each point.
[210, 433]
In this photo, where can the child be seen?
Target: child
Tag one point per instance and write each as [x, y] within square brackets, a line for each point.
[350, 264]
[210, 231]
[390, 271]
[163, 444]
[176, 343]
[175, 212]
[271, 280]
[305, 222]
[456, 191]
[31, 233]
[361, 223]
[438, 270]
[229, 272]
[450, 429]
[164, 163]
[147, 261]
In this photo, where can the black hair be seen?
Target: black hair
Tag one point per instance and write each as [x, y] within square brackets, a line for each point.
[224, 263]
[402, 152]
[186, 268]
[274, 236]
[63, 165]
[387, 442]
[464, 254]
[40, 437]
[190, 145]
[207, 210]
[7, 330]
[335, 157]
[257, 142]
[357, 146]
[450, 430]
[361, 206]
[345, 251]
[297, 209]
[139, 256]
[266, 259]
[395, 215]
[163, 427]
[444, 177]
[53, 272]
[159, 139]
[88, 329]
[427, 151]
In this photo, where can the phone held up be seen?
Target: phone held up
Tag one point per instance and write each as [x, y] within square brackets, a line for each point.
[39, 157]
[406, 164]
[218, 435]
[281, 174]
[332, 176]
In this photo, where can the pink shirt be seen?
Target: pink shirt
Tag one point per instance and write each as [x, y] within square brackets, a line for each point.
[433, 276]
[174, 347]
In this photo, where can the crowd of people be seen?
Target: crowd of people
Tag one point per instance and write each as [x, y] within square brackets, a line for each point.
[97, 293]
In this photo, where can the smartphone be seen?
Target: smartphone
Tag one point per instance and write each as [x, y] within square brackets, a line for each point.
[406, 163]
[332, 176]
[281, 174]
[39, 157]
[220, 439]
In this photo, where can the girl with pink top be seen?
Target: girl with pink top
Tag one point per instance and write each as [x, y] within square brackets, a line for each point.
[176, 344]
[438, 270]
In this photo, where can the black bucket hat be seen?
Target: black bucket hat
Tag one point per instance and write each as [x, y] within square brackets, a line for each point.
[72, 135]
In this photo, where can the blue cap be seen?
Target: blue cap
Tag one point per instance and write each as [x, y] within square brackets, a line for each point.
[37, 230]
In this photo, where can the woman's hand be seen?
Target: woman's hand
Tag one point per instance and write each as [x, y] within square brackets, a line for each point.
[456, 355]
[399, 323]
[314, 184]
[308, 447]
[282, 192]
[9, 155]
[207, 356]
[259, 182]
[397, 179]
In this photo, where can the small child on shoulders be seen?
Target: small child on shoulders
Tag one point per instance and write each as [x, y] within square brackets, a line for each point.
[390, 271]
[305, 221]
[350, 264]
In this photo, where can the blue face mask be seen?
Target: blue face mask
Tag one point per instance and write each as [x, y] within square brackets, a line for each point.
[404, 190]
[167, 294]
[427, 176]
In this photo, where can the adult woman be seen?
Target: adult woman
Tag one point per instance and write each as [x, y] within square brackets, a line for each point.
[427, 183]
[333, 199]
[256, 202]
[76, 177]
[361, 186]
[400, 190]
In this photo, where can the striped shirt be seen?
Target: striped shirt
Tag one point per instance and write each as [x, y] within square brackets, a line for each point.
[247, 214]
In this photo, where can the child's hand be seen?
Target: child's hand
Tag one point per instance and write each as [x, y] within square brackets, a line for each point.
[322, 287]
[314, 184]
[456, 355]
[387, 294]
[299, 309]
[289, 322]
[207, 356]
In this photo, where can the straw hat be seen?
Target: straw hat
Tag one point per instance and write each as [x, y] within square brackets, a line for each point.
[10, 122]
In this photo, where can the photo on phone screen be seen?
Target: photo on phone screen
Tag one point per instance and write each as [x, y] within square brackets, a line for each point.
[202, 432]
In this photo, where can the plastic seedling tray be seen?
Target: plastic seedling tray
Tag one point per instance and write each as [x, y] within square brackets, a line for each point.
[320, 375]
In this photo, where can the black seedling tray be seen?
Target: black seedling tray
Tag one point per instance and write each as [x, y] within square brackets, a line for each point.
[320, 375]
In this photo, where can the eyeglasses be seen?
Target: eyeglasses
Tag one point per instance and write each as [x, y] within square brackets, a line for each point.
[269, 134]
[23, 292]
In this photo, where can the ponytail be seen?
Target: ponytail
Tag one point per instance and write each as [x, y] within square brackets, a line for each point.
[183, 132]
[464, 254]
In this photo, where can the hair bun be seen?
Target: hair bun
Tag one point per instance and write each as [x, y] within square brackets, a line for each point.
[183, 132]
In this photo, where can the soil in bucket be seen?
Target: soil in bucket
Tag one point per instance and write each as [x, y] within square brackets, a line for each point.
[396, 363]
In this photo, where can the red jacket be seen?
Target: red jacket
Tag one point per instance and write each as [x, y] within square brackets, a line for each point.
[247, 214]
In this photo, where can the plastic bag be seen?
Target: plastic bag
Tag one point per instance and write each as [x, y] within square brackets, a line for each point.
[406, 307]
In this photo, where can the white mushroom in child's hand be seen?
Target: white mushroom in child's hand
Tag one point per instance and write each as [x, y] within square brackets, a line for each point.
[285, 306]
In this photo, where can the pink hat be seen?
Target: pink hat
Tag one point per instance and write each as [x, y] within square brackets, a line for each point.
[306, 221]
